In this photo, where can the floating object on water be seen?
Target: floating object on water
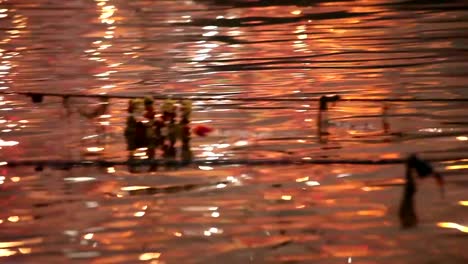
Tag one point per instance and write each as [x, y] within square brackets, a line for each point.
[202, 130]
[423, 169]
[147, 130]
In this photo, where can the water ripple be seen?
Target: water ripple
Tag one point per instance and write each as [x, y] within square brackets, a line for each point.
[292, 212]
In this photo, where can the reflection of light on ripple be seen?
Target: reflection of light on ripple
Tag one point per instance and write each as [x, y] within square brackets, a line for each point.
[233, 180]
[210, 33]
[464, 203]
[79, 179]
[212, 230]
[14, 218]
[25, 250]
[456, 167]
[296, 12]
[459, 227]
[199, 208]
[94, 149]
[20, 243]
[341, 175]
[139, 214]
[149, 256]
[106, 17]
[134, 188]
[370, 189]
[8, 143]
[376, 213]
[312, 183]
[431, 130]
[6, 252]
[207, 168]
[241, 143]
[106, 13]
[215, 214]
[19, 22]
[303, 179]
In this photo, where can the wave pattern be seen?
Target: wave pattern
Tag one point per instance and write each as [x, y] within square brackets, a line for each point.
[288, 213]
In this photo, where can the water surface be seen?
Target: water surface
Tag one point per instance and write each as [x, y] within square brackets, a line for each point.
[234, 49]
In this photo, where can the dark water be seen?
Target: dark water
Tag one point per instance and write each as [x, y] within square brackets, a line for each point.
[242, 49]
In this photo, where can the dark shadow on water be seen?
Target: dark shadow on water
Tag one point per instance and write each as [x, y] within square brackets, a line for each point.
[263, 21]
[266, 3]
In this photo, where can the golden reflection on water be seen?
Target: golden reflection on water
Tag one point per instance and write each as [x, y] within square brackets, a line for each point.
[459, 227]
[238, 213]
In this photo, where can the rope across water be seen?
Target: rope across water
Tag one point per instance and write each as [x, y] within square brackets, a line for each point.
[212, 163]
[39, 95]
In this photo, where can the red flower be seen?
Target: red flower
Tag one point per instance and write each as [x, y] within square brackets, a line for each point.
[202, 130]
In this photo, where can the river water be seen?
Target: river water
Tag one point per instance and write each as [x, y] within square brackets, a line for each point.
[268, 213]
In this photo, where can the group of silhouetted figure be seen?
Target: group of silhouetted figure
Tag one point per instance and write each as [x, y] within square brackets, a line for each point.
[149, 131]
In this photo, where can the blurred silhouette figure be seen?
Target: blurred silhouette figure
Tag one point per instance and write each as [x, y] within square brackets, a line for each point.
[322, 118]
[149, 115]
[407, 213]
[169, 129]
[135, 130]
[385, 123]
[185, 134]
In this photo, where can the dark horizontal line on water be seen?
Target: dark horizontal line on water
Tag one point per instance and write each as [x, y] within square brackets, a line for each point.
[234, 67]
[201, 162]
[456, 52]
[252, 21]
[290, 60]
[270, 3]
[141, 11]
[246, 99]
